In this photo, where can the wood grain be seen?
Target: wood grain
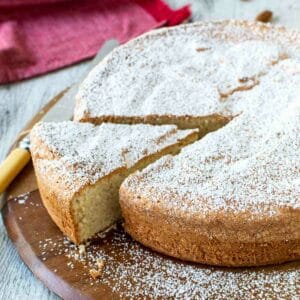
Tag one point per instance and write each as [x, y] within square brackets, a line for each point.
[30, 228]
[21, 101]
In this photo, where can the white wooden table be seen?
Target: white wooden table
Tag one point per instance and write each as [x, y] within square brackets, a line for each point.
[21, 101]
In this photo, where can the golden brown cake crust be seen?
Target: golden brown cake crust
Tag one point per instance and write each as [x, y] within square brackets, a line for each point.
[232, 198]
[64, 174]
[223, 240]
[58, 208]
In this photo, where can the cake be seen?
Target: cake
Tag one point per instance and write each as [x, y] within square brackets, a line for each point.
[233, 197]
[221, 203]
[79, 168]
[184, 75]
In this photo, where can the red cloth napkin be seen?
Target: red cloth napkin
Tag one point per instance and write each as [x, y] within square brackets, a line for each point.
[37, 36]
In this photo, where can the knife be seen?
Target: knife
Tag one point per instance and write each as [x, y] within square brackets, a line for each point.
[61, 111]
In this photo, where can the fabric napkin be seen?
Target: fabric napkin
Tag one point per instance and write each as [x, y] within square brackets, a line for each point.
[38, 36]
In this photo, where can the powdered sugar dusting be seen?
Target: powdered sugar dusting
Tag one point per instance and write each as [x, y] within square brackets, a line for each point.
[251, 164]
[80, 153]
[132, 271]
[186, 70]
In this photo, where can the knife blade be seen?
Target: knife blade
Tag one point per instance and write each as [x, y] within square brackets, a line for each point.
[61, 111]
[64, 108]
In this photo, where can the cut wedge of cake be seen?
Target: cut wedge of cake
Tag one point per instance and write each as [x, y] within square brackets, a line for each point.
[80, 167]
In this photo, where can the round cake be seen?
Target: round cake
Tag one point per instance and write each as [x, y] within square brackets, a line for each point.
[233, 197]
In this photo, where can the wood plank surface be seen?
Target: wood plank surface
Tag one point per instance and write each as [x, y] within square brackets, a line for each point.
[21, 101]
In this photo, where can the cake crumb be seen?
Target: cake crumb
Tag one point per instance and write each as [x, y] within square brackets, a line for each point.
[98, 271]
[95, 273]
[82, 250]
[265, 16]
[100, 264]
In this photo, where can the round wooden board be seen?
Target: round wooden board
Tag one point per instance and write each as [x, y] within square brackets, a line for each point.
[30, 227]
[42, 247]
[131, 270]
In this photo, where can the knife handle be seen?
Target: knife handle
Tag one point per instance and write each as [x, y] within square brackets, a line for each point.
[12, 166]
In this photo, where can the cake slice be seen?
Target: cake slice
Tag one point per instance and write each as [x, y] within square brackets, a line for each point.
[80, 167]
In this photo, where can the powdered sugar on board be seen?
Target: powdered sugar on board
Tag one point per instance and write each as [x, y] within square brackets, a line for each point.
[22, 198]
[133, 271]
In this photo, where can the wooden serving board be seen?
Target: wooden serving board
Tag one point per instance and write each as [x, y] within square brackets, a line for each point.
[130, 270]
